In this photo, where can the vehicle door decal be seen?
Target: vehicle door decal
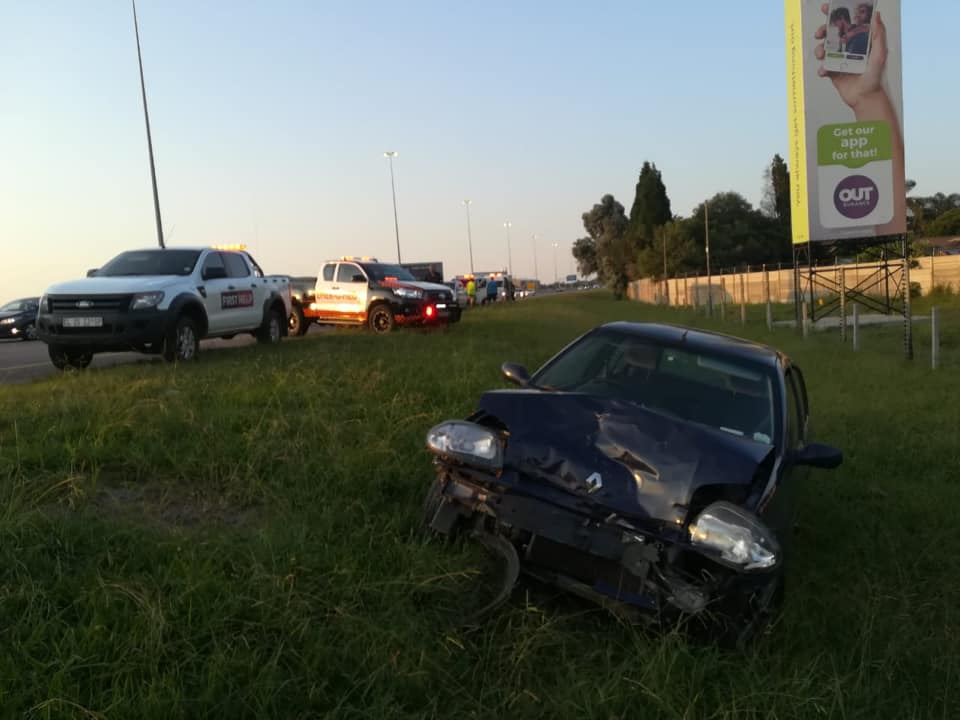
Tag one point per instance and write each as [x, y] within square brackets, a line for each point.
[236, 299]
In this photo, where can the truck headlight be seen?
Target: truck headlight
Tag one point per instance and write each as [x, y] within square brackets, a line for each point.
[734, 537]
[467, 442]
[145, 301]
[411, 293]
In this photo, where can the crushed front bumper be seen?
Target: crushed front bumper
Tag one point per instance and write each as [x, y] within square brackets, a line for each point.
[639, 574]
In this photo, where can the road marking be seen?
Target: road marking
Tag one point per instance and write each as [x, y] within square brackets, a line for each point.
[24, 367]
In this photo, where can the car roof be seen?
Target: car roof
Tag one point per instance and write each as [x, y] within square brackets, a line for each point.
[702, 340]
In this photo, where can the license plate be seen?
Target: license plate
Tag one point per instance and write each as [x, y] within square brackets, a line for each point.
[441, 306]
[82, 322]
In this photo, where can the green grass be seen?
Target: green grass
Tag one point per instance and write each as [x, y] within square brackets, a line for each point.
[239, 538]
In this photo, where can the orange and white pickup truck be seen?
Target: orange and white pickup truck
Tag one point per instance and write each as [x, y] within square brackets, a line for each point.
[364, 291]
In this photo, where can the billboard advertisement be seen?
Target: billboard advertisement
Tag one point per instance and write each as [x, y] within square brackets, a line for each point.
[845, 102]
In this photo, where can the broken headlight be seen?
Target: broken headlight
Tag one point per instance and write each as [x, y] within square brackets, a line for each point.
[734, 537]
[466, 442]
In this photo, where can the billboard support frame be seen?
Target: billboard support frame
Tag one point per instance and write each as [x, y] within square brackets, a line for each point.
[890, 271]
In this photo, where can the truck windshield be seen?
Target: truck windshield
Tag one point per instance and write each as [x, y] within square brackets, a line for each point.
[379, 272]
[151, 262]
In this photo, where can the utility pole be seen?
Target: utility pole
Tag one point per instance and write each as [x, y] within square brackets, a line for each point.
[536, 273]
[469, 237]
[146, 117]
[391, 154]
[666, 280]
[556, 276]
[508, 225]
[706, 223]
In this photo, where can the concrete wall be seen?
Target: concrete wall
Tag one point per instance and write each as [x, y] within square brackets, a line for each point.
[940, 271]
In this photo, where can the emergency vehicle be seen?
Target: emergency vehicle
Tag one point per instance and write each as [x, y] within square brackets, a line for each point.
[481, 280]
[363, 291]
[163, 301]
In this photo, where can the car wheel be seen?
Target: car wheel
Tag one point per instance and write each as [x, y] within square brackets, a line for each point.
[64, 358]
[298, 324]
[29, 332]
[758, 611]
[381, 319]
[183, 342]
[272, 330]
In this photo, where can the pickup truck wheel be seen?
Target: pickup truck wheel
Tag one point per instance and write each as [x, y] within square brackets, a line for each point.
[182, 344]
[272, 329]
[63, 358]
[298, 324]
[381, 319]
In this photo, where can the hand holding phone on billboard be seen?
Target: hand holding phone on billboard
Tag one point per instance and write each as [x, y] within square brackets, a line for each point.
[853, 86]
[848, 35]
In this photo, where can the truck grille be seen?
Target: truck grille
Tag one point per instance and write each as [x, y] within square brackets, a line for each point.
[439, 296]
[85, 304]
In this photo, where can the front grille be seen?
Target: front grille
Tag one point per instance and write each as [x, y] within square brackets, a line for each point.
[439, 296]
[84, 304]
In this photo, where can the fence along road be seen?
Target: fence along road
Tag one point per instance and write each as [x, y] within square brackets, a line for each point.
[940, 271]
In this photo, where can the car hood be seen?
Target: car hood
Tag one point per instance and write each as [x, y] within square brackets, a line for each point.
[648, 465]
[17, 313]
[114, 285]
[421, 285]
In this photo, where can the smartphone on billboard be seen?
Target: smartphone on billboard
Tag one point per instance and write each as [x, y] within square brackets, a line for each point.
[847, 42]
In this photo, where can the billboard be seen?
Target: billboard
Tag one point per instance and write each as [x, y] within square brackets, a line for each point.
[845, 104]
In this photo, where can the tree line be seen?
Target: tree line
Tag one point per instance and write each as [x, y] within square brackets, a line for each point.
[653, 242]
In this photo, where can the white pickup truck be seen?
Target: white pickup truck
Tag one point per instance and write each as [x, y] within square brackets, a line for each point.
[162, 300]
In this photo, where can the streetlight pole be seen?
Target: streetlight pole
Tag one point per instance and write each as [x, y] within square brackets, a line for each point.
[536, 273]
[706, 229]
[508, 225]
[556, 277]
[469, 236]
[390, 155]
[146, 117]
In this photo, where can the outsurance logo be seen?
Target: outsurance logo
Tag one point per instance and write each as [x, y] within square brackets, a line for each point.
[856, 197]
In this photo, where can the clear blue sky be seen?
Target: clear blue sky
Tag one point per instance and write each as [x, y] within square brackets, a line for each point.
[270, 120]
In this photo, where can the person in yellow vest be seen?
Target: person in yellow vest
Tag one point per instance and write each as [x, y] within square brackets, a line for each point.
[471, 292]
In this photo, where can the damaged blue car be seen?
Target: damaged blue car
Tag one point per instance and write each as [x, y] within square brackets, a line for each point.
[647, 467]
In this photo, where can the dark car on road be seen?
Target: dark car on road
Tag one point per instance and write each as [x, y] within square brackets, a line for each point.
[647, 467]
[18, 319]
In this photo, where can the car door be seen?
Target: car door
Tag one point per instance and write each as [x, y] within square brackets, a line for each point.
[215, 282]
[351, 290]
[245, 295]
[324, 298]
[780, 512]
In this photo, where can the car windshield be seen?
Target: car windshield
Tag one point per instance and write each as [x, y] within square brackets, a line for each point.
[730, 395]
[151, 262]
[19, 306]
[381, 271]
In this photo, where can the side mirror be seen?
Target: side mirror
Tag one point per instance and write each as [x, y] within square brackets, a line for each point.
[819, 456]
[214, 273]
[515, 373]
[92, 271]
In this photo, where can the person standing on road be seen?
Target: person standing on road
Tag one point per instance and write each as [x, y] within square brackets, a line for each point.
[492, 291]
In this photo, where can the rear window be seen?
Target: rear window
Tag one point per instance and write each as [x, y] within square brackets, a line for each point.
[236, 266]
